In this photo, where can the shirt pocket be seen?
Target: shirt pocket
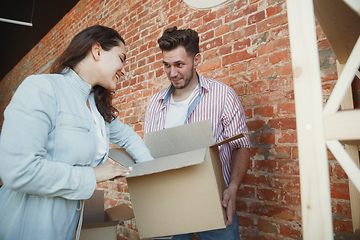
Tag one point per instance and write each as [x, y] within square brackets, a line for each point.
[74, 141]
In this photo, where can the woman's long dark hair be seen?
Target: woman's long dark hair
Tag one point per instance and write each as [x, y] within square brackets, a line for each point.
[77, 51]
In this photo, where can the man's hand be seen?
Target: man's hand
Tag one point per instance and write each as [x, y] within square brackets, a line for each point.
[229, 202]
[239, 165]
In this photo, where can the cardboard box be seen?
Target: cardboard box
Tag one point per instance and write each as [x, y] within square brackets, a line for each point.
[181, 190]
[100, 224]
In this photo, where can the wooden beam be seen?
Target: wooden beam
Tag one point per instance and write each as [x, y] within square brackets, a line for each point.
[346, 162]
[314, 174]
[354, 4]
[340, 25]
[353, 151]
[344, 82]
[343, 126]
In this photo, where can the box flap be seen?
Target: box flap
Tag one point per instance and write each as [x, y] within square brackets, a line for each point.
[180, 139]
[162, 164]
[94, 208]
[120, 213]
[120, 155]
[95, 202]
[240, 135]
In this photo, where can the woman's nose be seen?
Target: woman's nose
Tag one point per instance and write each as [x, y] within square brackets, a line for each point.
[123, 72]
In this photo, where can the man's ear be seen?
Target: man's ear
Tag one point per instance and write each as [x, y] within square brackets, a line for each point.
[197, 60]
[96, 51]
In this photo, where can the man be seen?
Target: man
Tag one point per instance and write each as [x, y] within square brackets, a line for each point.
[192, 98]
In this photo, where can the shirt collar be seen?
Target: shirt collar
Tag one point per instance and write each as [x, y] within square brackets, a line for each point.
[77, 81]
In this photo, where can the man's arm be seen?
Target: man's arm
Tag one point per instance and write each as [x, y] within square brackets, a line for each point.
[239, 165]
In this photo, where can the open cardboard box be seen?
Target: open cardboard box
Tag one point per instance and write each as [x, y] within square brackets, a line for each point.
[181, 190]
[100, 224]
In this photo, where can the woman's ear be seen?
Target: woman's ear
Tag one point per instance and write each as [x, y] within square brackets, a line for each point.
[197, 60]
[96, 51]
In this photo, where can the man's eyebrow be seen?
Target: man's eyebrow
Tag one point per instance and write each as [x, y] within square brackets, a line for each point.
[179, 61]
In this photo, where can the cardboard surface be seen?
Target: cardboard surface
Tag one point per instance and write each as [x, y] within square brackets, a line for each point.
[181, 190]
[159, 164]
[94, 208]
[181, 139]
[100, 224]
[96, 233]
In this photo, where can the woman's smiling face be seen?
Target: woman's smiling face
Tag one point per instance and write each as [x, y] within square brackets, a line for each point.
[111, 66]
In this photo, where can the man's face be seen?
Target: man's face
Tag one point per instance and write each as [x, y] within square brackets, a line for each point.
[179, 67]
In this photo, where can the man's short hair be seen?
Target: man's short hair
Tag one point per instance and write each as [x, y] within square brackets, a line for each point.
[173, 38]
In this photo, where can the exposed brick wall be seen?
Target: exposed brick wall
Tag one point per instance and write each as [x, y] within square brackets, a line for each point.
[245, 44]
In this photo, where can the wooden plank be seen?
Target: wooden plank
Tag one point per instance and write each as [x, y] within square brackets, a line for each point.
[354, 193]
[340, 25]
[314, 175]
[354, 5]
[343, 126]
[346, 162]
[356, 235]
[344, 82]
[353, 151]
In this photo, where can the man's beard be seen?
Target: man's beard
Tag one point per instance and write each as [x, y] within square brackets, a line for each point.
[187, 81]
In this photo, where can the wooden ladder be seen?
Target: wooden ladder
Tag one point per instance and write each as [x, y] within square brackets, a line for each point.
[318, 126]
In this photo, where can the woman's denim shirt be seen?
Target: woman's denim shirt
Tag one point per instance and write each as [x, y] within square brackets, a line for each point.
[48, 143]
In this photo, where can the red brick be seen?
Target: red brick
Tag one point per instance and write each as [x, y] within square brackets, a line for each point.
[222, 30]
[268, 194]
[280, 153]
[289, 166]
[282, 123]
[273, 10]
[245, 221]
[343, 226]
[339, 172]
[246, 192]
[264, 111]
[278, 57]
[266, 226]
[274, 211]
[286, 108]
[285, 182]
[251, 179]
[290, 231]
[211, 44]
[272, 22]
[243, 44]
[344, 209]
[265, 166]
[340, 191]
[255, 125]
[256, 17]
[237, 57]
[289, 136]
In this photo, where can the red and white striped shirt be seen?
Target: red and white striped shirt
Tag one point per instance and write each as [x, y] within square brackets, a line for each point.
[213, 100]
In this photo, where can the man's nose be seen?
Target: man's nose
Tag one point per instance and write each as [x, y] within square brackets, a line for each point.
[173, 72]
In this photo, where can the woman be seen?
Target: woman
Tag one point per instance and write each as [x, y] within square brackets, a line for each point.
[55, 138]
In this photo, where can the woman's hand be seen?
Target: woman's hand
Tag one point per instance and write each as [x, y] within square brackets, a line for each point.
[110, 170]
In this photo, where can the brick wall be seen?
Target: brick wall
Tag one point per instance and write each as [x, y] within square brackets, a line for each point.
[245, 44]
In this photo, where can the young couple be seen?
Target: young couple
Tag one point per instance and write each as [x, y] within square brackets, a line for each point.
[55, 138]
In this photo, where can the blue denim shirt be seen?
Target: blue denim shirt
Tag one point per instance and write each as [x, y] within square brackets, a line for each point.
[48, 143]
